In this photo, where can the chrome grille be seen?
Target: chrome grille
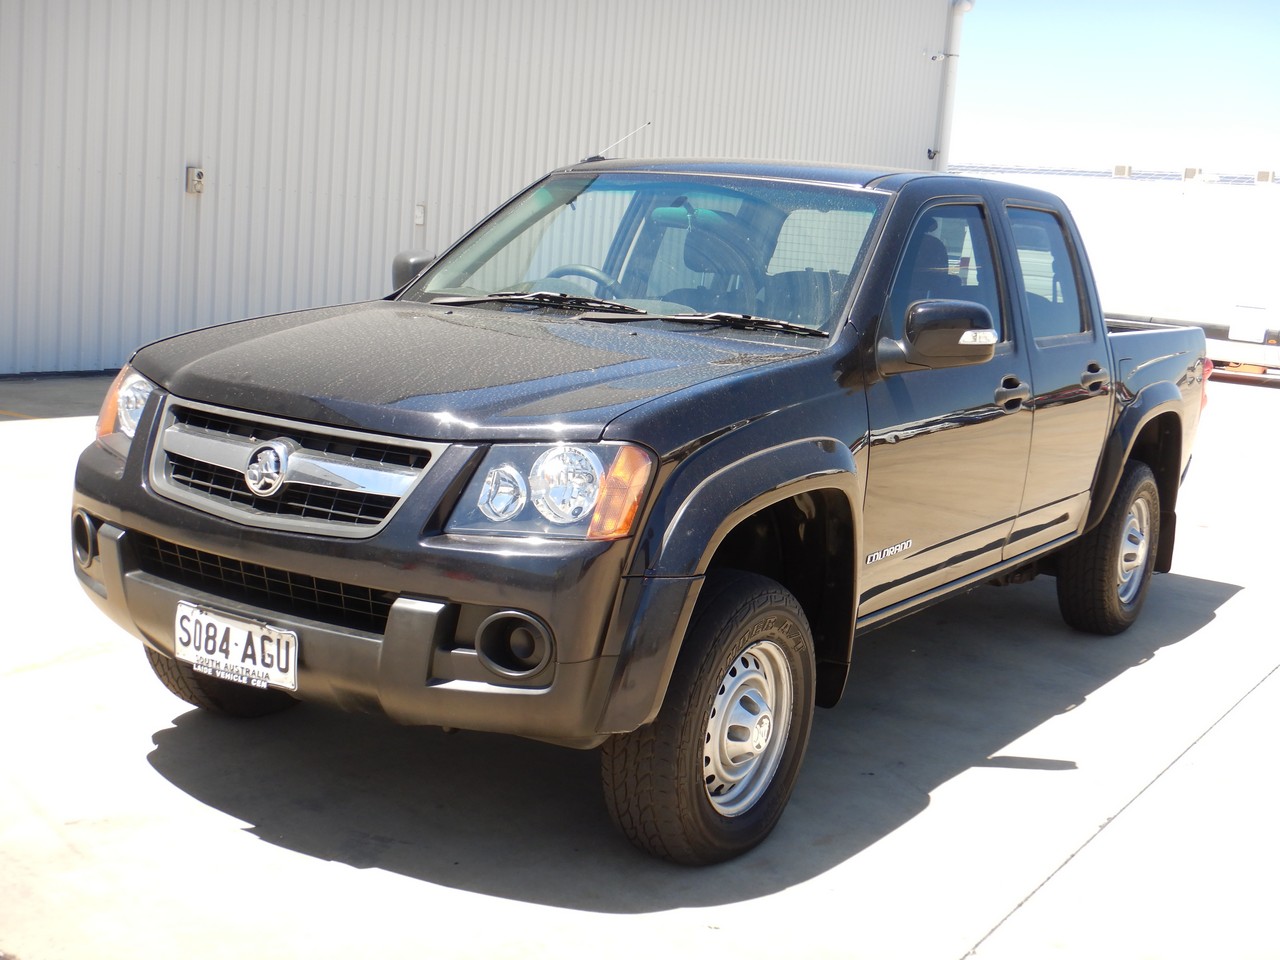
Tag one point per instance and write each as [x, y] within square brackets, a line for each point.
[383, 452]
[337, 482]
[296, 500]
[280, 591]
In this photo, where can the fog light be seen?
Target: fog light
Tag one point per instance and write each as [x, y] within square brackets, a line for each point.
[84, 538]
[513, 644]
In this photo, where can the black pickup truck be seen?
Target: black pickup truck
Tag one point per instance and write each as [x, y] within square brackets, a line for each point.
[632, 464]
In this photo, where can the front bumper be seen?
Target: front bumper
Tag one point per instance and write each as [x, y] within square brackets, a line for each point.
[416, 659]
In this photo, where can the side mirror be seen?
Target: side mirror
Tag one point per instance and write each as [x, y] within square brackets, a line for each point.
[407, 264]
[938, 334]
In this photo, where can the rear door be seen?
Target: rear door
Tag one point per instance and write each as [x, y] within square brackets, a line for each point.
[1070, 374]
[949, 448]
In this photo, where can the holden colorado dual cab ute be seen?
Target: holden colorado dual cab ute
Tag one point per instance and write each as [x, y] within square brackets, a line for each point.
[631, 465]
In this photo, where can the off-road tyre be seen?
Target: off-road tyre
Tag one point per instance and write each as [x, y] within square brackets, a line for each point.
[216, 696]
[1103, 577]
[708, 779]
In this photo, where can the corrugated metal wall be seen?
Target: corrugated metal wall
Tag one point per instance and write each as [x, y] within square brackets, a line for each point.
[322, 123]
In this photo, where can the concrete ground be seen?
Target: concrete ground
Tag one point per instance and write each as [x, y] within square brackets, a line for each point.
[993, 785]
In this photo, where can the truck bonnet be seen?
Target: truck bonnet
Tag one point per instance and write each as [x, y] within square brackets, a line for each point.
[450, 372]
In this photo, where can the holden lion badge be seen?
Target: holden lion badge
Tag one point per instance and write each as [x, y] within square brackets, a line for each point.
[267, 465]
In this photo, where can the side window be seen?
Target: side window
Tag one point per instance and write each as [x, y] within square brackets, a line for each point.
[1047, 274]
[948, 257]
[581, 232]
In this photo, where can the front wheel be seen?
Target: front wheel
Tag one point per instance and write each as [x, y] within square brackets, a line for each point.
[1103, 576]
[709, 778]
[216, 696]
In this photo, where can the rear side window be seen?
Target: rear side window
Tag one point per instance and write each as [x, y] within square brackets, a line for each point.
[1047, 274]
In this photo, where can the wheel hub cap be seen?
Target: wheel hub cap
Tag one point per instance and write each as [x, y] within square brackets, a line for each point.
[760, 734]
[746, 728]
[1134, 547]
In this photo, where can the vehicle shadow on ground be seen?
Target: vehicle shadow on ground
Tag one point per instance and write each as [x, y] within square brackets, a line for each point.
[928, 698]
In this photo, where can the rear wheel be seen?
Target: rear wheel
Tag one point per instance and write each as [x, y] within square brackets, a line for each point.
[709, 778]
[216, 696]
[1103, 576]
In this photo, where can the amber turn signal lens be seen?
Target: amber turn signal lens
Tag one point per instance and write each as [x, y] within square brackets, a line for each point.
[107, 413]
[620, 494]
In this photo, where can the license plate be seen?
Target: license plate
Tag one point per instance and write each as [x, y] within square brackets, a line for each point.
[228, 648]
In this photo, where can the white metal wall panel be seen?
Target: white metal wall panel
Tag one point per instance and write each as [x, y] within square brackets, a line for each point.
[322, 123]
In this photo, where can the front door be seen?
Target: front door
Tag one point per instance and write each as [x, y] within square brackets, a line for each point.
[949, 448]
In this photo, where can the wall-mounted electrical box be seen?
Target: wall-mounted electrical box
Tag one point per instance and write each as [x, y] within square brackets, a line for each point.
[195, 179]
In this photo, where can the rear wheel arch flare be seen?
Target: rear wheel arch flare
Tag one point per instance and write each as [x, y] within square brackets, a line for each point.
[1149, 430]
[1159, 446]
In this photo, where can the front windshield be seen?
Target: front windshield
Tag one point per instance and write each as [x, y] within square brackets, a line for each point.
[670, 245]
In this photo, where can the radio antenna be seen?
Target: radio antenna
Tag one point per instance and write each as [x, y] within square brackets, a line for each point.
[600, 155]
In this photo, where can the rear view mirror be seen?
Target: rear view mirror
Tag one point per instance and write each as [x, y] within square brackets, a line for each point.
[407, 265]
[938, 334]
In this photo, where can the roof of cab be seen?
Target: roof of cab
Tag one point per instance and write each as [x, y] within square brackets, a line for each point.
[878, 178]
[770, 169]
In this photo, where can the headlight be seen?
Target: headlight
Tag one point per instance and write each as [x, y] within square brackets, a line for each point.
[504, 493]
[122, 409]
[566, 483]
[587, 491]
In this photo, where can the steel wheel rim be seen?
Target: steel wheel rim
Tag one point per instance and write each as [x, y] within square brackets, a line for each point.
[1134, 547]
[747, 728]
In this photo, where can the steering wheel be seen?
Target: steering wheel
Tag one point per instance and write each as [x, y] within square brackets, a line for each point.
[607, 283]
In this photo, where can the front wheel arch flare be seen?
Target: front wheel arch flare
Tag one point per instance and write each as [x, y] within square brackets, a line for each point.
[709, 778]
[699, 509]
[805, 543]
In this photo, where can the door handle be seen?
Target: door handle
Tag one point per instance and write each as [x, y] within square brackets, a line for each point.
[1012, 394]
[1095, 377]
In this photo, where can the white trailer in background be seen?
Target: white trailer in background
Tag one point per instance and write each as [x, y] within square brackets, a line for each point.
[1181, 247]
[1244, 344]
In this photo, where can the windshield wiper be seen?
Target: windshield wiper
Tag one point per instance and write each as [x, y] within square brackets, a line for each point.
[542, 298]
[745, 321]
[581, 303]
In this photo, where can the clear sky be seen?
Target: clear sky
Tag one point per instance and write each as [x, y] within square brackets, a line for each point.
[1095, 83]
